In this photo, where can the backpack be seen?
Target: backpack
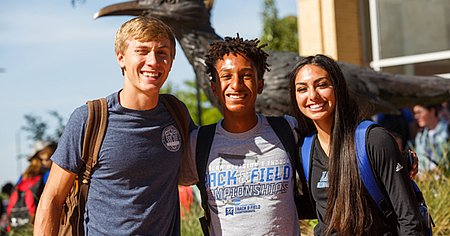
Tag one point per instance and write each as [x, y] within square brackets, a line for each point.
[72, 216]
[282, 129]
[368, 178]
[23, 202]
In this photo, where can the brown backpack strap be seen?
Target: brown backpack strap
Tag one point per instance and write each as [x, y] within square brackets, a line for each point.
[72, 215]
[93, 138]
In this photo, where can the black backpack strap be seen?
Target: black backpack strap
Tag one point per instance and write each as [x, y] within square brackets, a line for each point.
[283, 131]
[205, 138]
[304, 204]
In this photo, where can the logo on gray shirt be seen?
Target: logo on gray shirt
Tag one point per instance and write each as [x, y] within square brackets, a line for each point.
[171, 138]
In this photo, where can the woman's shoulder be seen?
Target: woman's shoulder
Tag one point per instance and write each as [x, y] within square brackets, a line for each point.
[381, 146]
[378, 134]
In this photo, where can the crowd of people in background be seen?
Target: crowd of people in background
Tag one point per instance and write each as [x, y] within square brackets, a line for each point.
[19, 200]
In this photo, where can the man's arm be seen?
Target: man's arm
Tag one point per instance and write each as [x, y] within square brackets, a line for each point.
[188, 170]
[52, 199]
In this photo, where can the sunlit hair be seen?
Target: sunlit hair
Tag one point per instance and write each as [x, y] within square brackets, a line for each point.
[346, 211]
[247, 48]
[143, 29]
[36, 166]
[34, 169]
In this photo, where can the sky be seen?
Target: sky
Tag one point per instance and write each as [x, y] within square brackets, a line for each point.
[55, 57]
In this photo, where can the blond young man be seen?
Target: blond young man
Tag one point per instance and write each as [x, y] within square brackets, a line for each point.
[133, 189]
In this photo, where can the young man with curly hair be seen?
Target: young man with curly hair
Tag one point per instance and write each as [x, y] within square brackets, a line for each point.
[248, 179]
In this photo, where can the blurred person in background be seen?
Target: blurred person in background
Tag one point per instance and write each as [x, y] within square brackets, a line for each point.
[431, 141]
[4, 197]
[28, 189]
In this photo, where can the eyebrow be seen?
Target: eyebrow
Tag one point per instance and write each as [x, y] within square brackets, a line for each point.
[147, 47]
[315, 81]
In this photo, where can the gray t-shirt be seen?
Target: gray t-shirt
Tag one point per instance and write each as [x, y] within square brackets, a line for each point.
[249, 182]
[134, 184]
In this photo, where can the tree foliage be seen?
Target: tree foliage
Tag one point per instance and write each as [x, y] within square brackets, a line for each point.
[38, 129]
[209, 113]
[279, 34]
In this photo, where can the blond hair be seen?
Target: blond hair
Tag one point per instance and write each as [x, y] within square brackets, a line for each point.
[34, 169]
[143, 29]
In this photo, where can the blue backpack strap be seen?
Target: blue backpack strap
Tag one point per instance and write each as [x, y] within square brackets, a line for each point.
[365, 169]
[306, 155]
[307, 203]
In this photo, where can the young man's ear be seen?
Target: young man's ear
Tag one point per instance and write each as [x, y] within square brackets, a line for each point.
[213, 86]
[120, 59]
[260, 85]
[213, 82]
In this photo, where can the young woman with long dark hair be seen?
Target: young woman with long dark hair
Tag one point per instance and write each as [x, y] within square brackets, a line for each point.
[322, 104]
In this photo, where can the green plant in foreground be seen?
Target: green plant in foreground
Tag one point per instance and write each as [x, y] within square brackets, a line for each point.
[190, 225]
[435, 186]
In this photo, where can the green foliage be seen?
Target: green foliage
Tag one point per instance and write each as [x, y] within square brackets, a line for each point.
[190, 225]
[209, 113]
[435, 186]
[26, 230]
[307, 227]
[37, 128]
[279, 34]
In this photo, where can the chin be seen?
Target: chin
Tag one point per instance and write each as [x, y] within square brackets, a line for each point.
[237, 108]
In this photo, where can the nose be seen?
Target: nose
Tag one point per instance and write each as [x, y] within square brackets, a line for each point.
[236, 82]
[312, 95]
[151, 58]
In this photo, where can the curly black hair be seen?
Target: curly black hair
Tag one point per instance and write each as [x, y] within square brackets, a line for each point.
[237, 45]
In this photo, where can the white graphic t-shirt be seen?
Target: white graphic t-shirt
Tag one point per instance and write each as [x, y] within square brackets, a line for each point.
[249, 183]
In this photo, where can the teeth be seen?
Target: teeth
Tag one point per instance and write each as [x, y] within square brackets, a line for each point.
[316, 106]
[236, 96]
[150, 74]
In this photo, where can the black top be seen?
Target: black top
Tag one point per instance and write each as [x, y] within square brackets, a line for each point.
[390, 170]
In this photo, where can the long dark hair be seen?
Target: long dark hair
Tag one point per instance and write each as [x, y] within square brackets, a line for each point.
[346, 211]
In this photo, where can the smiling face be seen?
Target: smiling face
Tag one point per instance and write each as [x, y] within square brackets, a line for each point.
[146, 65]
[237, 85]
[315, 94]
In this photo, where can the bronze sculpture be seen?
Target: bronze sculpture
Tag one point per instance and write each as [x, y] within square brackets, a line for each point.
[190, 21]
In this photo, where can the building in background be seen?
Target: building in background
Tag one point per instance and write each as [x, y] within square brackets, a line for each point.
[396, 36]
